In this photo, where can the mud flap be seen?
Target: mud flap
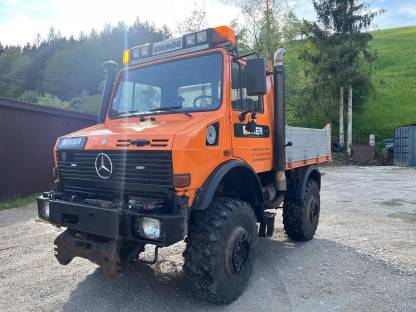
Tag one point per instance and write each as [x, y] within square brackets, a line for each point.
[104, 254]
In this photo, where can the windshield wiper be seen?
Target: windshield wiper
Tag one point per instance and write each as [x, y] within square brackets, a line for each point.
[170, 109]
[142, 116]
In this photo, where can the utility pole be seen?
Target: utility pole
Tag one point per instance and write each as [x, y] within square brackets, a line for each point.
[341, 116]
[349, 134]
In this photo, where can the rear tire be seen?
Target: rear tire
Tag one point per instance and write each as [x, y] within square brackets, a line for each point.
[220, 249]
[301, 217]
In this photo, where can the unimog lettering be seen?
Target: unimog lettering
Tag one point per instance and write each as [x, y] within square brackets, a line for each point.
[167, 46]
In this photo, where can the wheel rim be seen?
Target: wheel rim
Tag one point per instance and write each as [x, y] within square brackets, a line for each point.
[238, 251]
[312, 212]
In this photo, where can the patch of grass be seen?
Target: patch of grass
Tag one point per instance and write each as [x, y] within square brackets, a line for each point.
[394, 80]
[393, 101]
[21, 201]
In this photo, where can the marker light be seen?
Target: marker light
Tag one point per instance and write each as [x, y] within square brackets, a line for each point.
[126, 57]
[212, 134]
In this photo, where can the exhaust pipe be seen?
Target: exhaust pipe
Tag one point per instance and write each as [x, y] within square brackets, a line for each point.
[279, 126]
[279, 132]
[279, 111]
[110, 71]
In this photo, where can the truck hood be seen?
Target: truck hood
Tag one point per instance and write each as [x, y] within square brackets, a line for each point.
[117, 133]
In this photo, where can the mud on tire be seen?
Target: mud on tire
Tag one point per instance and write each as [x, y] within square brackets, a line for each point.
[300, 218]
[220, 249]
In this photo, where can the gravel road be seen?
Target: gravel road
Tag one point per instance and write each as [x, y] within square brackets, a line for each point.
[362, 259]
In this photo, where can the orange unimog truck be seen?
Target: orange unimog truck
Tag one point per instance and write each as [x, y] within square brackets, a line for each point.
[191, 143]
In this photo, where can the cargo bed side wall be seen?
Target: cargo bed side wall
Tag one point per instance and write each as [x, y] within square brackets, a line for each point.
[308, 144]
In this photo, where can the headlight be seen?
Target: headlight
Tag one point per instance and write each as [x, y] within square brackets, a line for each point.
[190, 40]
[201, 36]
[150, 228]
[135, 53]
[145, 51]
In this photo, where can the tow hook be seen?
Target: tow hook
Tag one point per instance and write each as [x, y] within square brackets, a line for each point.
[153, 261]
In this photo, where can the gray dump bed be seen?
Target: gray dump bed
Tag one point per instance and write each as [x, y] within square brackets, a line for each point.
[308, 145]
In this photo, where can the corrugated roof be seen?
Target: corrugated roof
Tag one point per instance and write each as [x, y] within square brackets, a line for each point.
[44, 109]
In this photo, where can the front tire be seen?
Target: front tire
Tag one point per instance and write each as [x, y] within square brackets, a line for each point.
[301, 217]
[220, 250]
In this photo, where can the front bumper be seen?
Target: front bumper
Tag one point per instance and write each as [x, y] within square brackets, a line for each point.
[112, 223]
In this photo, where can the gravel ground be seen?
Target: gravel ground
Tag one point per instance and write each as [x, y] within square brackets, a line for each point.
[362, 259]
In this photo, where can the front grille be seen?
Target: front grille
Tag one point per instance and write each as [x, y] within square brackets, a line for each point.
[132, 170]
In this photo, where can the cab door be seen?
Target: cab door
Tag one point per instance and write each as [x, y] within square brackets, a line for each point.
[255, 146]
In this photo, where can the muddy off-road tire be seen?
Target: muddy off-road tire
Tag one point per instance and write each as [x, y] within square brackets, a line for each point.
[301, 217]
[220, 249]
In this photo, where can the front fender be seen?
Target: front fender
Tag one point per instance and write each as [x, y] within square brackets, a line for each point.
[249, 176]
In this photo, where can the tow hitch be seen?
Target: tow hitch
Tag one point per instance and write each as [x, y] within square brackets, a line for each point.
[111, 255]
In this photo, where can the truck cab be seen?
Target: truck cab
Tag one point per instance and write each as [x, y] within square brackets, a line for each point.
[191, 142]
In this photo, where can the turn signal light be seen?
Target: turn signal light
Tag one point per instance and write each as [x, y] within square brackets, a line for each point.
[182, 180]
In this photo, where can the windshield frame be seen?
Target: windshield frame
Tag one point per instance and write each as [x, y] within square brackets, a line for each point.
[164, 61]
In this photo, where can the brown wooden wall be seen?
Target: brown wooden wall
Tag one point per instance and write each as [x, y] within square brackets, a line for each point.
[27, 136]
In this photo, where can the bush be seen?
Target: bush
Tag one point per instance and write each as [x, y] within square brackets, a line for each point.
[46, 99]
[85, 103]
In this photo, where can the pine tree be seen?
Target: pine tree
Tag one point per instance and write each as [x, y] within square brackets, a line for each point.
[340, 48]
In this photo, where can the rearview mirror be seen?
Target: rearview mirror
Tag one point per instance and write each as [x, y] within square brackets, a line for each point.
[255, 76]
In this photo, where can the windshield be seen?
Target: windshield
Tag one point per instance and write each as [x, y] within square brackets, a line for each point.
[187, 85]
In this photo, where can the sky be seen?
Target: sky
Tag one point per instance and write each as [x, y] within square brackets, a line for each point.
[21, 20]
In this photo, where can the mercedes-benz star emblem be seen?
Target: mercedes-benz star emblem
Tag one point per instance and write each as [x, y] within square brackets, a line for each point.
[103, 166]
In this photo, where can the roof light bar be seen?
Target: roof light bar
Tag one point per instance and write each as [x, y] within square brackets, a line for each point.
[205, 39]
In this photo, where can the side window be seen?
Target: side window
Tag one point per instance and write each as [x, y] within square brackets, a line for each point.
[240, 101]
[235, 86]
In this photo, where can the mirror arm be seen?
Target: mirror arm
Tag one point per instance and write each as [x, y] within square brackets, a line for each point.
[242, 116]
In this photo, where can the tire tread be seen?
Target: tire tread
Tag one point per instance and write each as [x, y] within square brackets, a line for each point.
[204, 242]
[293, 214]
